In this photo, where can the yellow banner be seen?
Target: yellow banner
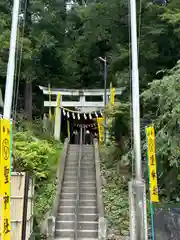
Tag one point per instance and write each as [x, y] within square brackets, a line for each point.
[112, 94]
[100, 122]
[5, 160]
[151, 151]
[1, 214]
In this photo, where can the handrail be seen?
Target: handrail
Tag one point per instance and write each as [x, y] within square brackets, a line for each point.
[77, 188]
[100, 204]
[48, 225]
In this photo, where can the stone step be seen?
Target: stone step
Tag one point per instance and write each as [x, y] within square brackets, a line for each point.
[65, 224]
[87, 165]
[69, 184]
[87, 196]
[64, 233]
[87, 190]
[68, 195]
[87, 217]
[88, 185]
[81, 209]
[70, 178]
[65, 217]
[88, 156]
[71, 165]
[82, 189]
[88, 177]
[67, 189]
[88, 172]
[84, 184]
[73, 148]
[86, 225]
[82, 168]
[72, 202]
[81, 217]
[87, 233]
[67, 202]
[87, 202]
[72, 162]
[72, 157]
[88, 182]
[70, 171]
[58, 238]
[87, 239]
[80, 233]
[67, 209]
[87, 209]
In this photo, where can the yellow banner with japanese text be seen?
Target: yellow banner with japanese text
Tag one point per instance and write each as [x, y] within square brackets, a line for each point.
[5, 161]
[151, 152]
[100, 122]
[112, 94]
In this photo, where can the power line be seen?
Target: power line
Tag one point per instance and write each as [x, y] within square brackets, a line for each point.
[20, 60]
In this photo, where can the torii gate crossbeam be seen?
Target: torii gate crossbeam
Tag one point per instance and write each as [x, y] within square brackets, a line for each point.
[81, 104]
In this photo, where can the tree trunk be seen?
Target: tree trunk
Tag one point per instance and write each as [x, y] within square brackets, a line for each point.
[28, 100]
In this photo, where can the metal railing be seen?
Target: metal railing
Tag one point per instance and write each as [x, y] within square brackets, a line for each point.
[102, 224]
[78, 188]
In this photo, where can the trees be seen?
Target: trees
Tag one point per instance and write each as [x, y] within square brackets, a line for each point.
[162, 103]
[62, 47]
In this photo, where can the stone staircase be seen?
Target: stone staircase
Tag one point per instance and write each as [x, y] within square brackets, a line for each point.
[87, 217]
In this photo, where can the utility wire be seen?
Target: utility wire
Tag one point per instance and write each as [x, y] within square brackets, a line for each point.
[16, 69]
[139, 25]
[20, 60]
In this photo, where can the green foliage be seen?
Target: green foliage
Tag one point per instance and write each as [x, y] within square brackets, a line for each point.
[115, 194]
[162, 101]
[40, 158]
[62, 48]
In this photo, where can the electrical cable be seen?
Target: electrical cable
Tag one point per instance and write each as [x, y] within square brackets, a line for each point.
[16, 67]
[139, 24]
[20, 59]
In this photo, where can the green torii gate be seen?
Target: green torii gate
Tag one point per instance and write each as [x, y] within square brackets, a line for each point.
[82, 105]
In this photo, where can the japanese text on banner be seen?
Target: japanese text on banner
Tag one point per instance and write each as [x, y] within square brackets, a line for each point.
[152, 163]
[100, 122]
[1, 216]
[112, 94]
[5, 177]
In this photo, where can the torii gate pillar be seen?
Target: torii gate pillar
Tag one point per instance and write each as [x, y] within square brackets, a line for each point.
[57, 124]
